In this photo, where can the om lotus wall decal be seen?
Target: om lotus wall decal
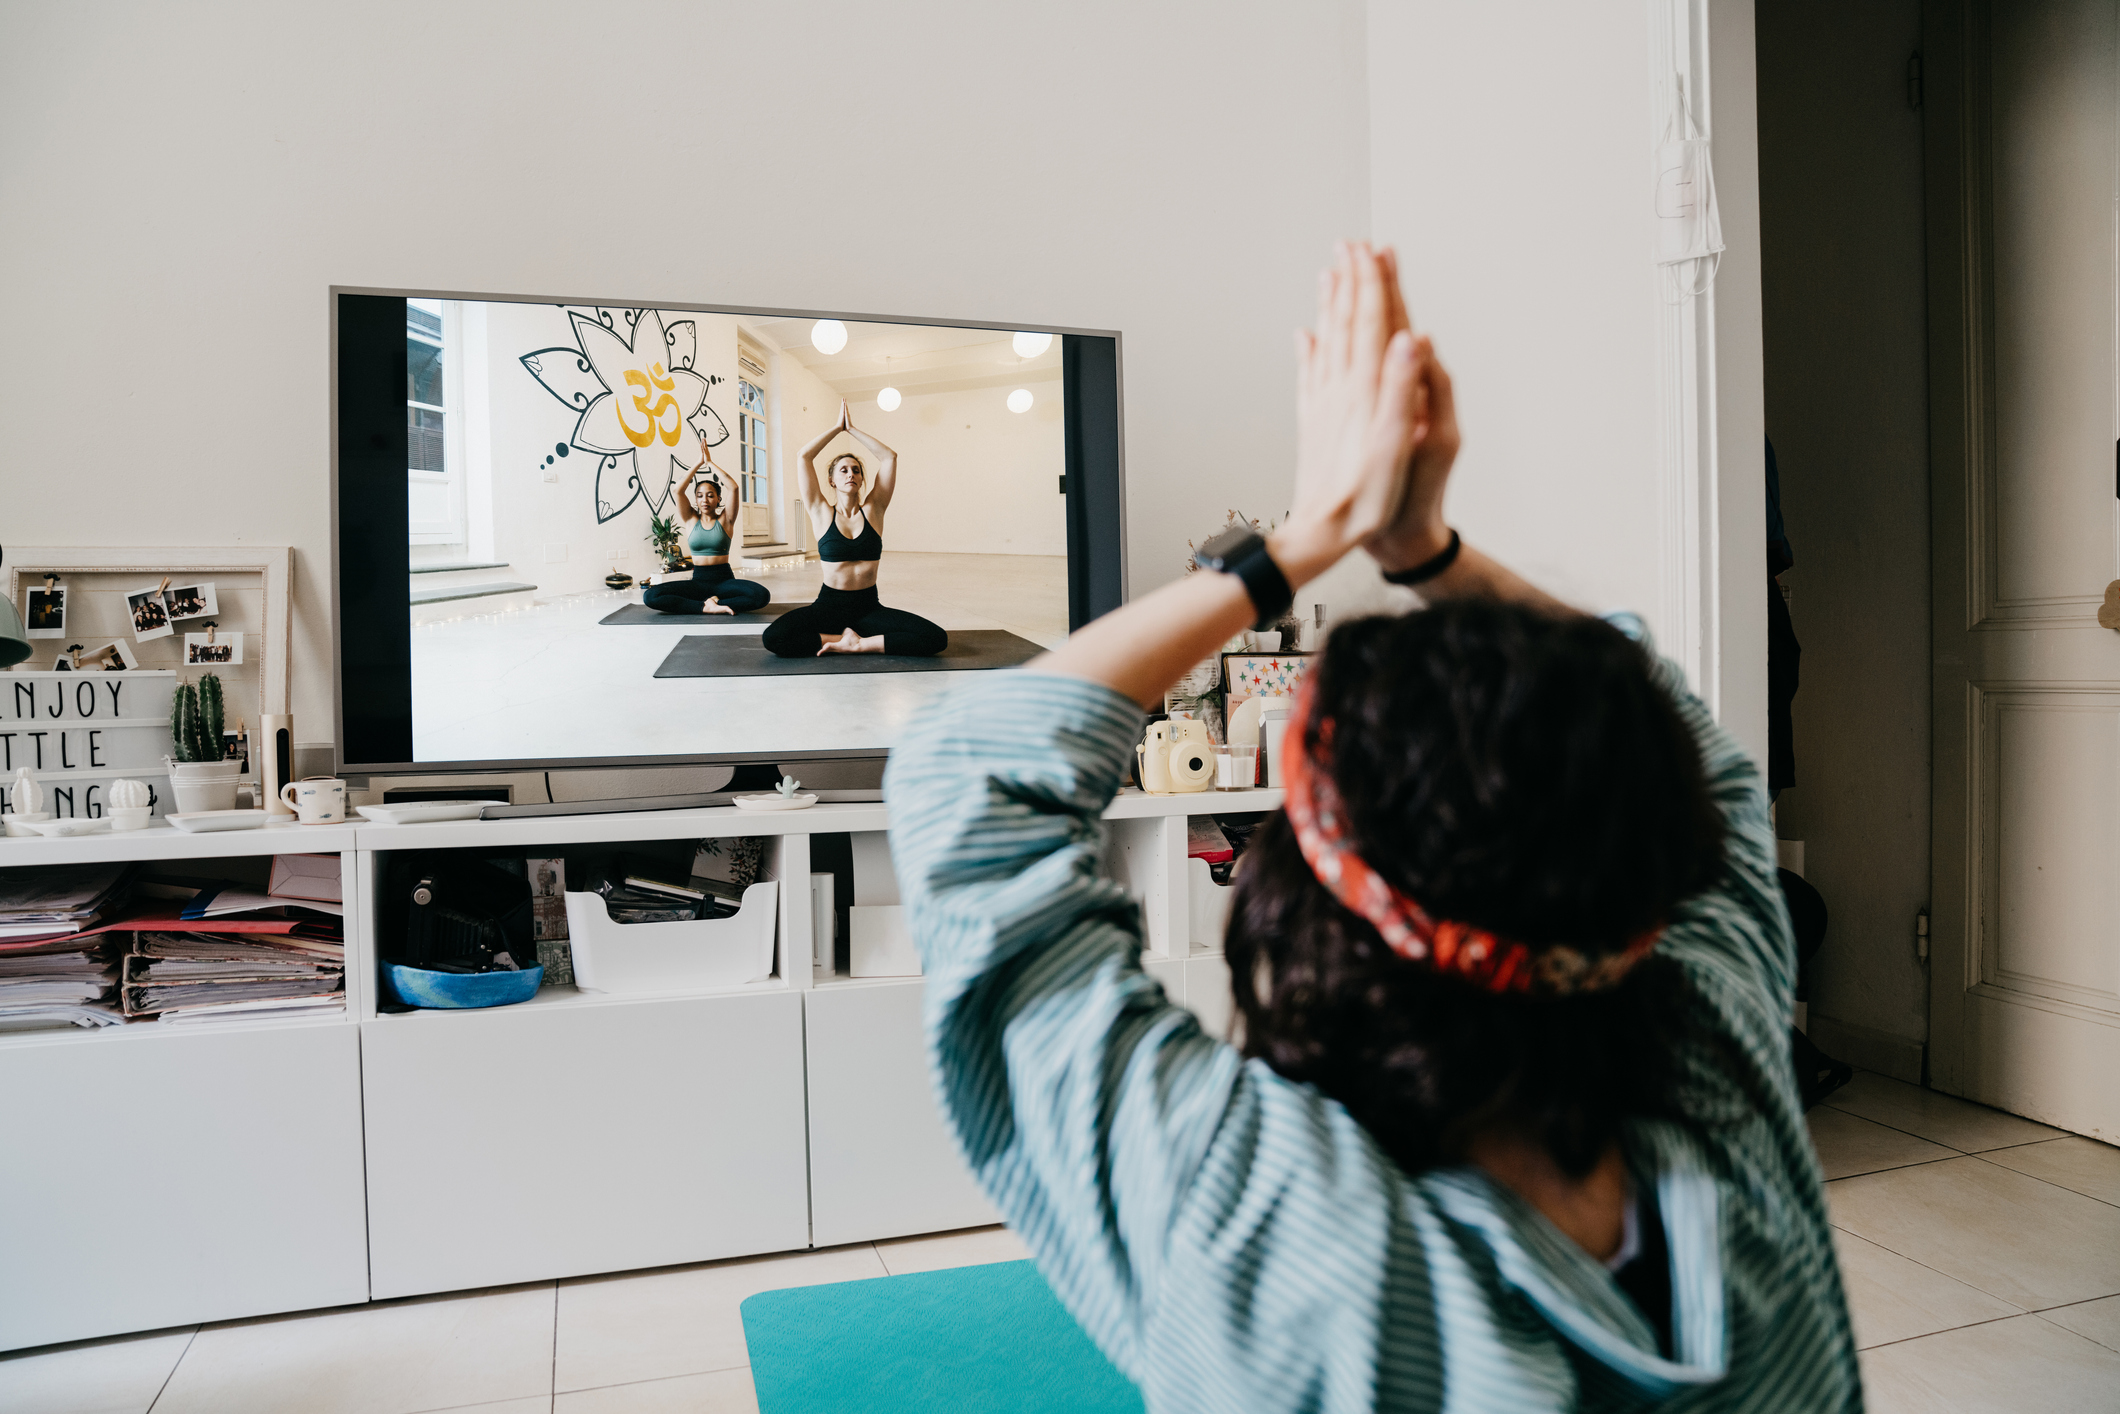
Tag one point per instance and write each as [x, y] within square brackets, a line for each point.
[643, 406]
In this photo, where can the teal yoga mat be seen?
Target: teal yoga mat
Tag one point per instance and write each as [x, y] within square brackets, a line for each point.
[970, 1338]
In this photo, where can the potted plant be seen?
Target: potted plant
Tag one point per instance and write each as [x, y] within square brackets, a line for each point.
[200, 773]
[663, 537]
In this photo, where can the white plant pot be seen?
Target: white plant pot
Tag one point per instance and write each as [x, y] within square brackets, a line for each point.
[204, 785]
[18, 826]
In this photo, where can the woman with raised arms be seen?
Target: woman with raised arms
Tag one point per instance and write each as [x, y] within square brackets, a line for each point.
[847, 616]
[707, 507]
[1511, 1122]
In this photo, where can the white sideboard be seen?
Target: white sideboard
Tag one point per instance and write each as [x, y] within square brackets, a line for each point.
[154, 1176]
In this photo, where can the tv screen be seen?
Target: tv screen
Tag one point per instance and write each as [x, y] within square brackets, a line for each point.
[578, 533]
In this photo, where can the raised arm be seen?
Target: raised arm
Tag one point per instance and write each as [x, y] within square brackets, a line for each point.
[815, 492]
[685, 513]
[886, 482]
[731, 496]
[1361, 410]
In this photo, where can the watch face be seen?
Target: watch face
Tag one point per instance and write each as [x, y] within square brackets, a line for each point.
[1231, 544]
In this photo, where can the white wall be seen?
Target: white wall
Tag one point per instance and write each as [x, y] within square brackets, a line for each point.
[1510, 165]
[196, 178]
[1511, 160]
[973, 477]
[179, 186]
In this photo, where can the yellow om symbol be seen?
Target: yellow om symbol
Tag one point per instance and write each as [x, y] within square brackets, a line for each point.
[661, 381]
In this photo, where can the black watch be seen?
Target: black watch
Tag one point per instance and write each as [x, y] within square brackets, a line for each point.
[1241, 551]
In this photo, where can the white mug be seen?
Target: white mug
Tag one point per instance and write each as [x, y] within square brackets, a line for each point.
[318, 800]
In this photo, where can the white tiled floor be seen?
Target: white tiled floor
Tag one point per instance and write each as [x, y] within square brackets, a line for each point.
[1981, 1254]
[655, 1342]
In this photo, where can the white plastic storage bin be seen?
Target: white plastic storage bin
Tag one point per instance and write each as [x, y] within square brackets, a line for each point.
[1208, 905]
[691, 956]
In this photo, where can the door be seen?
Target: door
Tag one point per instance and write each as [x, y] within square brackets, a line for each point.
[2024, 988]
[156, 1176]
[755, 481]
[881, 1162]
[572, 1135]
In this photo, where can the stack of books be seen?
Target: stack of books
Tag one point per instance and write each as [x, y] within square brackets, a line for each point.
[56, 968]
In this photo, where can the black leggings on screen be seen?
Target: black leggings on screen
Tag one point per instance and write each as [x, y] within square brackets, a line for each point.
[684, 596]
[795, 633]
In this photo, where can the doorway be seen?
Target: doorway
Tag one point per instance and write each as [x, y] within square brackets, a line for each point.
[1938, 182]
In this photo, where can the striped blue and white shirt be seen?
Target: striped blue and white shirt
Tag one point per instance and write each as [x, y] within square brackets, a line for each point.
[1234, 1241]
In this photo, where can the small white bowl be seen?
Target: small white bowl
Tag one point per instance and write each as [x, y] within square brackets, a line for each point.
[774, 800]
[23, 827]
[66, 829]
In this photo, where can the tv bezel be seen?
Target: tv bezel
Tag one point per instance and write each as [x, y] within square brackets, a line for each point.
[499, 766]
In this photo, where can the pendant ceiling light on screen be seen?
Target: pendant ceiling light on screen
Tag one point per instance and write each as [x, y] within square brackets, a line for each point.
[1031, 345]
[828, 336]
[1020, 400]
[887, 399]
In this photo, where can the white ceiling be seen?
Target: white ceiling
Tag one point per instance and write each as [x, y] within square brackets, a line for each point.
[913, 358]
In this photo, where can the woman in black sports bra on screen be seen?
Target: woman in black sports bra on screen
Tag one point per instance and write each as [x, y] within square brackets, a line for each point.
[847, 617]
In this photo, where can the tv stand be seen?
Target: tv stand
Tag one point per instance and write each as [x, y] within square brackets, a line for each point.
[700, 800]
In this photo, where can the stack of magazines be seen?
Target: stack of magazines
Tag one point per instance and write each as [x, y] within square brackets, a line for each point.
[56, 968]
[192, 976]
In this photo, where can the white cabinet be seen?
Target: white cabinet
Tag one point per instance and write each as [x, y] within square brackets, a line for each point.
[163, 1176]
[881, 1163]
[570, 1135]
[154, 1176]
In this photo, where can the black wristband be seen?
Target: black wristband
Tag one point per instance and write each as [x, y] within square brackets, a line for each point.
[1271, 594]
[1431, 567]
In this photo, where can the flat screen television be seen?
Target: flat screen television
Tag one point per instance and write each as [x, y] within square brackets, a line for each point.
[510, 472]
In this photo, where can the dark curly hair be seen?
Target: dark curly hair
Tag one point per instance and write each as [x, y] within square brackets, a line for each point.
[1513, 770]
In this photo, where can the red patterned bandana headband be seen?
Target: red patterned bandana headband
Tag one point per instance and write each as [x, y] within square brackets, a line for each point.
[1319, 820]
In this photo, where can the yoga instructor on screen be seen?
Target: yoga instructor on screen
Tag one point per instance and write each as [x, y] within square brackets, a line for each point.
[710, 587]
[847, 617]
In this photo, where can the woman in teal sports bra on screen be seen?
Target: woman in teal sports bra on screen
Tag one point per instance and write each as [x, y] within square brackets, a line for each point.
[847, 616]
[711, 587]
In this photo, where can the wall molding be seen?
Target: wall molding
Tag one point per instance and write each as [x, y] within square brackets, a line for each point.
[1687, 499]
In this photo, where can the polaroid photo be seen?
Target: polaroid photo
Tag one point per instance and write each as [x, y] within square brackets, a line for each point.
[150, 616]
[190, 601]
[45, 613]
[212, 649]
[64, 663]
[111, 658]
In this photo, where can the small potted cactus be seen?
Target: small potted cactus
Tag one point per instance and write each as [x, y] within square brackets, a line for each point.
[200, 774]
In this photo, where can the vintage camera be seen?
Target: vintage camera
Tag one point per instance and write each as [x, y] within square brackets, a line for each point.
[1176, 757]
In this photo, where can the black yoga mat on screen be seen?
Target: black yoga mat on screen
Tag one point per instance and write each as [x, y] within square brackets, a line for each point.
[642, 614]
[741, 655]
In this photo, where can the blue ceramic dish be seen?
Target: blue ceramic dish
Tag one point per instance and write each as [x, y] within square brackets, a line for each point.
[416, 986]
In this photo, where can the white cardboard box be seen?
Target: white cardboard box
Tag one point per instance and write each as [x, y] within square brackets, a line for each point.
[880, 943]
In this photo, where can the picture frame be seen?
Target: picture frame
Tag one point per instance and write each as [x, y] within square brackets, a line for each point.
[1261, 674]
[149, 614]
[44, 612]
[212, 650]
[190, 599]
[253, 591]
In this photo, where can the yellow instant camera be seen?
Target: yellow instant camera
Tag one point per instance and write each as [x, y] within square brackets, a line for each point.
[1176, 757]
